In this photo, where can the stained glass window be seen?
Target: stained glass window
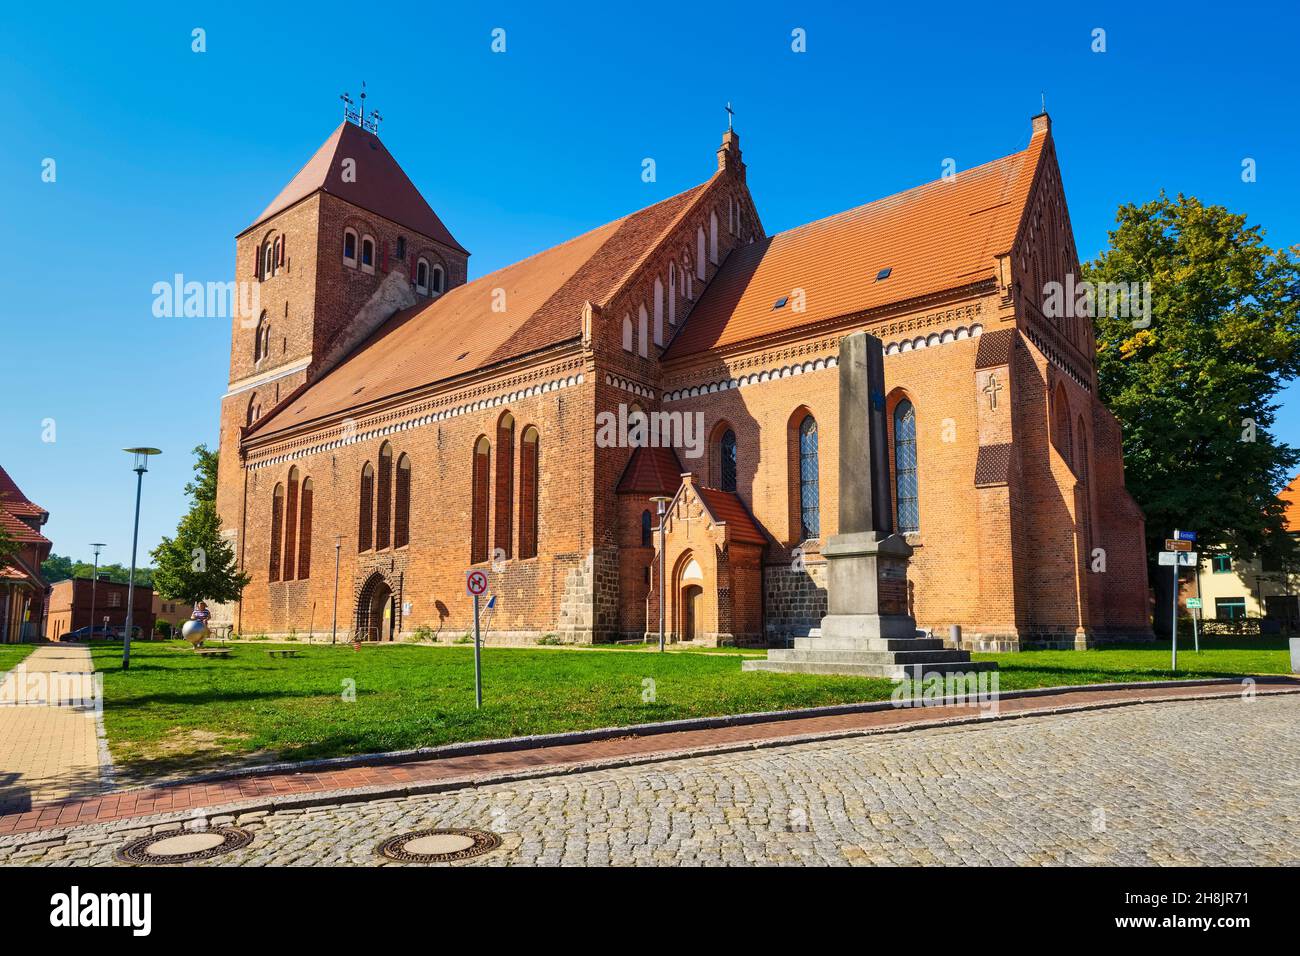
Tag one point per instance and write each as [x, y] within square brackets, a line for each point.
[809, 491]
[909, 512]
[727, 450]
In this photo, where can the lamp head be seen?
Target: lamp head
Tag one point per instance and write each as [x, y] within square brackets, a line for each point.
[142, 457]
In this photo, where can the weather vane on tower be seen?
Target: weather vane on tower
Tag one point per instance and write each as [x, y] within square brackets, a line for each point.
[353, 113]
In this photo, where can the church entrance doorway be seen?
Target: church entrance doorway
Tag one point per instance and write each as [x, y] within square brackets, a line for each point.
[375, 611]
[693, 606]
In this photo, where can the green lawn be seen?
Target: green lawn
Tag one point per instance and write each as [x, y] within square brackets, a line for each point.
[11, 654]
[176, 712]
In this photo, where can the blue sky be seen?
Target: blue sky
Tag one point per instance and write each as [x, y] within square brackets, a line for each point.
[163, 155]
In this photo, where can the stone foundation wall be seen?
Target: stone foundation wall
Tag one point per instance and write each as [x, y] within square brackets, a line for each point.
[794, 601]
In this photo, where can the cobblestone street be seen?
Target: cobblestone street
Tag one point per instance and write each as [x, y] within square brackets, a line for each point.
[1210, 782]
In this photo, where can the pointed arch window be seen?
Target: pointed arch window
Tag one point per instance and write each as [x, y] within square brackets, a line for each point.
[727, 461]
[659, 311]
[478, 551]
[268, 260]
[647, 539]
[809, 486]
[1064, 444]
[304, 531]
[402, 503]
[258, 353]
[291, 526]
[505, 485]
[384, 498]
[713, 237]
[529, 450]
[906, 490]
[366, 511]
[699, 254]
[277, 524]
[642, 332]
[627, 333]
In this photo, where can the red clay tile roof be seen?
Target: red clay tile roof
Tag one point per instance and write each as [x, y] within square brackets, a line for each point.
[1291, 498]
[727, 507]
[459, 331]
[14, 501]
[20, 531]
[652, 471]
[380, 185]
[942, 235]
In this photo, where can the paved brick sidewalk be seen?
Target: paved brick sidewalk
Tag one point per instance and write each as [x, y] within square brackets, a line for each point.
[366, 782]
[49, 749]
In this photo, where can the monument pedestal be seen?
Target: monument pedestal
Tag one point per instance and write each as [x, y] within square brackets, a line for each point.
[868, 631]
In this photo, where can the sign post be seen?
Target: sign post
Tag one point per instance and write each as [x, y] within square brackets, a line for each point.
[1194, 605]
[476, 583]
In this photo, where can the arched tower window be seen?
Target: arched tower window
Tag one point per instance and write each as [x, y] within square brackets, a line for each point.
[277, 524]
[727, 461]
[402, 503]
[366, 512]
[809, 485]
[384, 498]
[647, 539]
[505, 485]
[304, 531]
[1064, 444]
[529, 451]
[905, 483]
[258, 333]
[291, 526]
[479, 502]
[268, 260]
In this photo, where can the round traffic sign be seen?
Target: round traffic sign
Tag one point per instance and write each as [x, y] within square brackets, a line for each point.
[476, 582]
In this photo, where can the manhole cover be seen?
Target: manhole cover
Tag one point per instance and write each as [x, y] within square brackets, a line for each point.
[439, 846]
[184, 846]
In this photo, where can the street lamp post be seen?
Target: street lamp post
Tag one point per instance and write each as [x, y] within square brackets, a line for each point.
[662, 502]
[140, 467]
[338, 547]
[94, 579]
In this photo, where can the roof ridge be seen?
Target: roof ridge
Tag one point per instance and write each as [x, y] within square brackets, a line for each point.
[897, 195]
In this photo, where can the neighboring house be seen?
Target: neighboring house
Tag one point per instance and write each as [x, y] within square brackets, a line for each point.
[1232, 588]
[175, 613]
[71, 602]
[22, 589]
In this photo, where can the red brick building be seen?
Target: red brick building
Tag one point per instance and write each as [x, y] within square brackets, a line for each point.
[22, 589]
[386, 411]
[73, 606]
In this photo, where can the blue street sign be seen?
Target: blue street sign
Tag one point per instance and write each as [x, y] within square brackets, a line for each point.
[1185, 535]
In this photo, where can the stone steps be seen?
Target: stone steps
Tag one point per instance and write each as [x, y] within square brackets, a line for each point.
[918, 656]
[858, 669]
[868, 644]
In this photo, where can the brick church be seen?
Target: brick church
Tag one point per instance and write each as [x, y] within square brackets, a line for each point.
[390, 418]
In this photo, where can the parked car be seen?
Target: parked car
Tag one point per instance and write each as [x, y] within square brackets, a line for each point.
[101, 632]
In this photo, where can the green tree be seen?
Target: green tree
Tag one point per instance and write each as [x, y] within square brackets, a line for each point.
[1195, 388]
[60, 568]
[198, 564]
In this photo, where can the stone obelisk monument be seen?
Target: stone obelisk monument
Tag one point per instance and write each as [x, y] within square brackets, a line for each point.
[867, 630]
